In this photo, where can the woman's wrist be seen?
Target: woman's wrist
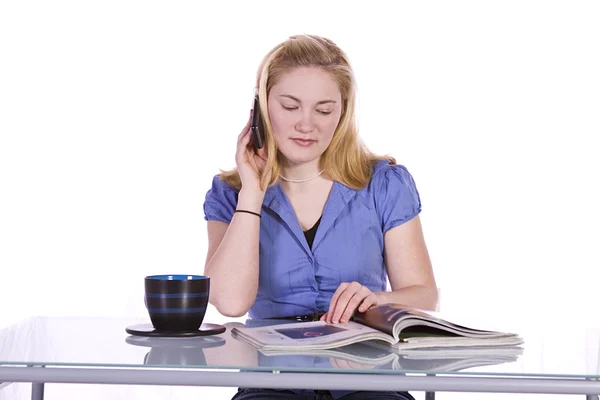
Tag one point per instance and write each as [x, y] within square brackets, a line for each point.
[382, 297]
[250, 200]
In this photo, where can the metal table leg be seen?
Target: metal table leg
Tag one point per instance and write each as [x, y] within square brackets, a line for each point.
[591, 396]
[37, 388]
[430, 395]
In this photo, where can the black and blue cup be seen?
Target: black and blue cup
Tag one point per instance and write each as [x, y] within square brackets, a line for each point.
[176, 303]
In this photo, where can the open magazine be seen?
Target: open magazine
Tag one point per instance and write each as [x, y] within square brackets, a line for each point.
[394, 326]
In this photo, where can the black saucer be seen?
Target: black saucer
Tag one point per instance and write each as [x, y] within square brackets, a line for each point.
[148, 330]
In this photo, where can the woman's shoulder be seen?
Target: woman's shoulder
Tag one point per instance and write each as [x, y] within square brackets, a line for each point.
[386, 173]
[221, 191]
[221, 185]
[220, 200]
[393, 192]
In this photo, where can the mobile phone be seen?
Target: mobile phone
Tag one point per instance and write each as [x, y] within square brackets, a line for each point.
[257, 125]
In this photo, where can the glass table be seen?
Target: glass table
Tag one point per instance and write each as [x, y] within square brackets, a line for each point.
[46, 350]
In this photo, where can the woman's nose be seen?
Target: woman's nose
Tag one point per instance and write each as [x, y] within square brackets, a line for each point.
[305, 123]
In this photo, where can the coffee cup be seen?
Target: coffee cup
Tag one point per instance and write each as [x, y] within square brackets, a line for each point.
[176, 303]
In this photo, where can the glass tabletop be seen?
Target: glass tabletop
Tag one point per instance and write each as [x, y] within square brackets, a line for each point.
[103, 342]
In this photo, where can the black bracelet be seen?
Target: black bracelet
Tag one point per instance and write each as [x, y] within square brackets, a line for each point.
[249, 212]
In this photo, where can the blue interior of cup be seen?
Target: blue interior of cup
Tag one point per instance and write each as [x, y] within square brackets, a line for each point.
[177, 277]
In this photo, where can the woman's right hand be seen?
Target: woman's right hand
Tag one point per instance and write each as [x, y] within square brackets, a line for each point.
[250, 161]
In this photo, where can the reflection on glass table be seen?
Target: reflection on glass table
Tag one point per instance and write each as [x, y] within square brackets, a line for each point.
[98, 350]
[175, 351]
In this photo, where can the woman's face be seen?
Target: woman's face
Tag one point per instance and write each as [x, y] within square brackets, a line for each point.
[305, 108]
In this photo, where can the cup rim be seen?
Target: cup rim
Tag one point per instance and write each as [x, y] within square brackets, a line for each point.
[177, 277]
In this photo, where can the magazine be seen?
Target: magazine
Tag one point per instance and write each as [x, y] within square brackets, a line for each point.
[396, 326]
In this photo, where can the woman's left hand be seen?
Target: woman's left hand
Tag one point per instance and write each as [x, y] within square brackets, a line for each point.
[346, 300]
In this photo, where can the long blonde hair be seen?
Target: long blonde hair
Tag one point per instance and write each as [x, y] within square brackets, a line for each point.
[346, 160]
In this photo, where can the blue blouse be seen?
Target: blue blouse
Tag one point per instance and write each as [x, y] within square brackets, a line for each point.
[297, 280]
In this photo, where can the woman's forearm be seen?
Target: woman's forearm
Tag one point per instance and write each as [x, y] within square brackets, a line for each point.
[416, 296]
[233, 268]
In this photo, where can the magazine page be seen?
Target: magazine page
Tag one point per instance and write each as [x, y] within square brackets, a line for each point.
[416, 324]
[383, 318]
[456, 341]
[402, 322]
[308, 335]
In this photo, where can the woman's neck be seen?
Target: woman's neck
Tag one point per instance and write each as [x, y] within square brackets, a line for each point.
[300, 177]
[300, 172]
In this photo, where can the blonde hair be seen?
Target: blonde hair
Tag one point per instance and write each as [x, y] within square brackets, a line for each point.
[346, 160]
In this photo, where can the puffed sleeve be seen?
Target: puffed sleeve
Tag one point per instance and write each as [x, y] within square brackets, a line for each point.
[220, 201]
[396, 196]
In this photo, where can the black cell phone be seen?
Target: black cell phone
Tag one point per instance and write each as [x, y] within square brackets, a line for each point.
[257, 125]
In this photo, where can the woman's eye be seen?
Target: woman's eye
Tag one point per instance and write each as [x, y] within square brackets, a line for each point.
[322, 112]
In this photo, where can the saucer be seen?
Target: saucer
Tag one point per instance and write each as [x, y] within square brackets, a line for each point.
[148, 330]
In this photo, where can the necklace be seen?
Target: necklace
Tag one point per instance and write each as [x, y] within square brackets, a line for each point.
[300, 180]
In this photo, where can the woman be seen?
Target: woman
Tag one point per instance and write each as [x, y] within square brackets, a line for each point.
[309, 226]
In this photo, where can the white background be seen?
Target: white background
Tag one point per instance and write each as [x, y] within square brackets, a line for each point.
[115, 116]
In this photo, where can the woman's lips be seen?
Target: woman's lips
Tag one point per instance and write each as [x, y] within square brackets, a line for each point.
[304, 142]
